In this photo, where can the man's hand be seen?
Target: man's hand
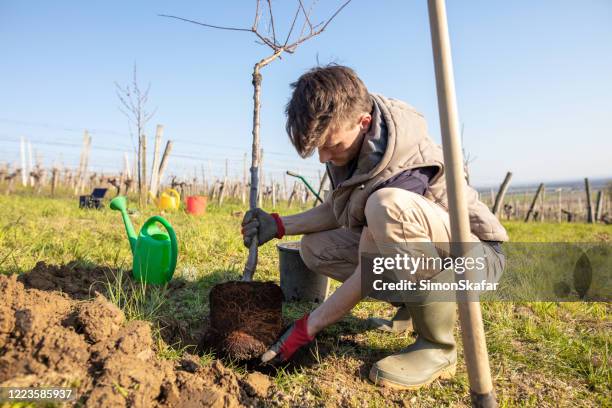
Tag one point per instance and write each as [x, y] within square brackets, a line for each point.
[259, 223]
[295, 337]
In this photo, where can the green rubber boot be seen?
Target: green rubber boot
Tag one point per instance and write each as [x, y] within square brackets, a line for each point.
[399, 324]
[433, 355]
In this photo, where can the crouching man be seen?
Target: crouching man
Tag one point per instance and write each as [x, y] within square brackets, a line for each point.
[389, 188]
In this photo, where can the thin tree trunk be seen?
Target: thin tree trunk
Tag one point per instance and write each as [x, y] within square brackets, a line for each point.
[261, 180]
[251, 264]
[139, 169]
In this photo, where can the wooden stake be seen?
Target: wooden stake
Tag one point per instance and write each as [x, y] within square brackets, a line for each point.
[587, 187]
[223, 190]
[598, 205]
[534, 201]
[470, 315]
[244, 179]
[499, 199]
[80, 176]
[292, 195]
[204, 182]
[542, 205]
[273, 192]
[164, 162]
[30, 166]
[53, 181]
[143, 168]
[24, 166]
[126, 166]
[321, 186]
[159, 131]
[285, 190]
[559, 214]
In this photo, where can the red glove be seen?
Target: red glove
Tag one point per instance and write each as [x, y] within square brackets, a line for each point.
[279, 225]
[295, 337]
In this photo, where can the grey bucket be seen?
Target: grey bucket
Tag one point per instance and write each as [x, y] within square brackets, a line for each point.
[296, 280]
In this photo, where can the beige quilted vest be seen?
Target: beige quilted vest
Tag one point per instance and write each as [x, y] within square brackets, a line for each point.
[408, 146]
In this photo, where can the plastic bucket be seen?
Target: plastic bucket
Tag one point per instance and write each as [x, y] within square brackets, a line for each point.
[297, 282]
[196, 205]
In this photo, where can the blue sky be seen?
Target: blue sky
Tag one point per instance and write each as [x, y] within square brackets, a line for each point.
[534, 80]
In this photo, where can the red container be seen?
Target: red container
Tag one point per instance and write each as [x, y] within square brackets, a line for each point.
[196, 205]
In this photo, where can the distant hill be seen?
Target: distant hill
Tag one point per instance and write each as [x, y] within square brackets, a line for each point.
[569, 185]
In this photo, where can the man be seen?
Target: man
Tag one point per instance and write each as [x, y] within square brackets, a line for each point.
[389, 189]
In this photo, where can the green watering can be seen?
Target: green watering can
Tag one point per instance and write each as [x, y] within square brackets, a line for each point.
[154, 251]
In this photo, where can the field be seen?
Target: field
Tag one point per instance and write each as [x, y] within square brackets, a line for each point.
[542, 354]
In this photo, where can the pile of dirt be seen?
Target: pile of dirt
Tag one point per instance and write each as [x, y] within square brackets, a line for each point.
[245, 318]
[51, 338]
[73, 279]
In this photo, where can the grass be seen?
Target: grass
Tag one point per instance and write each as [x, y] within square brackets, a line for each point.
[542, 354]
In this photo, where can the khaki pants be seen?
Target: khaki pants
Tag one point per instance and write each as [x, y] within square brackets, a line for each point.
[394, 216]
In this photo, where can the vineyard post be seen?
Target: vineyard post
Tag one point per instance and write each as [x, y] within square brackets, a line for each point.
[499, 199]
[587, 187]
[534, 201]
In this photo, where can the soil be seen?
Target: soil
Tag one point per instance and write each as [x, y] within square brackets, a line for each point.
[56, 330]
[245, 318]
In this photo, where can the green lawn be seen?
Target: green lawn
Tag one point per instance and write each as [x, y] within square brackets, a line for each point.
[542, 354]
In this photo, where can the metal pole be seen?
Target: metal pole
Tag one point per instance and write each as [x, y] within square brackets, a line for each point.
[474, 344]
[294, 174]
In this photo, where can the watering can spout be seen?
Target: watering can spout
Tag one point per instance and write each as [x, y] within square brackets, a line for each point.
[119, 203]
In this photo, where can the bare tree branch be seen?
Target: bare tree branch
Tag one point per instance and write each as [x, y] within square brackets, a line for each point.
[256, 22]
[278, 49]
[315, 33]
[133, 100]
[206, 25]
[297, 13]
[307, 14]
[271, 42]
[265, 40]
[272, 22]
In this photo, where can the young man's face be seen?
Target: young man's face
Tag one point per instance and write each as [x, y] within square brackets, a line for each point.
[342, 144]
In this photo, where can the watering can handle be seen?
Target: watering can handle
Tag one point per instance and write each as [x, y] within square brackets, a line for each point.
[173, 241]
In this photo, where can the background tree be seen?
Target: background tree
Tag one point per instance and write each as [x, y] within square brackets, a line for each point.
[278, 46]
[133, 104]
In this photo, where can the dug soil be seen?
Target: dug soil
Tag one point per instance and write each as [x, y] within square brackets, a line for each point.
[56, 329]
[246, 318]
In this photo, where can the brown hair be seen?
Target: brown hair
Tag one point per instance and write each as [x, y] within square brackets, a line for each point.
[323, 98]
